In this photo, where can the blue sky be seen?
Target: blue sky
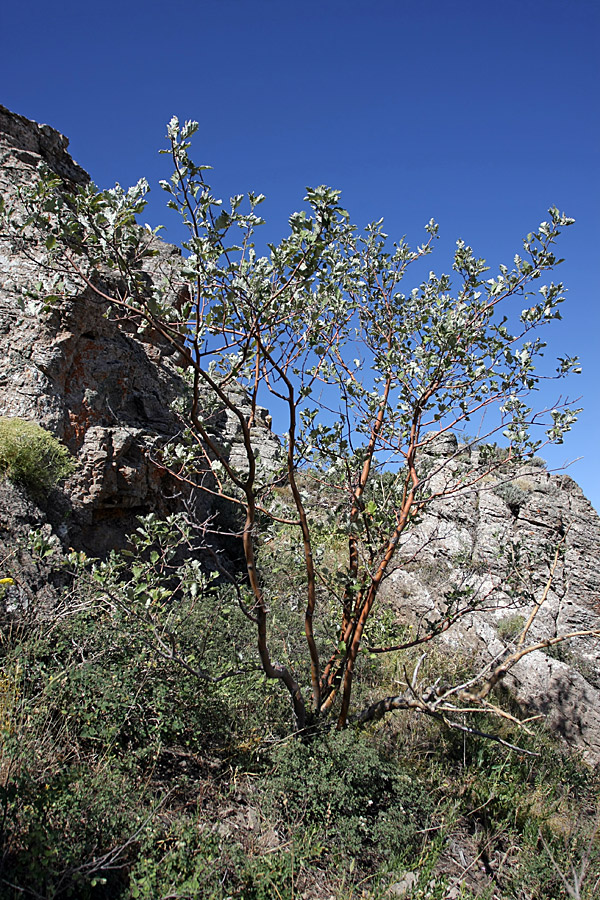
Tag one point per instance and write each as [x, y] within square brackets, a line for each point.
[480, 114]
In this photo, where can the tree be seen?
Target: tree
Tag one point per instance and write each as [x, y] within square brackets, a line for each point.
[362, 378]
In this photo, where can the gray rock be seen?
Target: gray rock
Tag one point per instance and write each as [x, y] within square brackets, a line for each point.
[31, 555]
[404, 886]
[106, 393]
[481, 538]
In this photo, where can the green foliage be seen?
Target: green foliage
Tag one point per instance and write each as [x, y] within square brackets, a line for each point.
[88, 735]
[68, 827]
[119, 768]
[541, 805]
[190, 862]
[31, 456]
[360, 803]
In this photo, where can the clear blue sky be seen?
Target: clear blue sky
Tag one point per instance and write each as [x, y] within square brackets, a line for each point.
[481, 114]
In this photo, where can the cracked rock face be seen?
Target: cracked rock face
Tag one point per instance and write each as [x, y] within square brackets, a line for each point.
[105, 393]
[102, 392]
[477, 539]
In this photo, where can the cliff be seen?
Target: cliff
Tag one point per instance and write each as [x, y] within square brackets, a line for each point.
[105, 393]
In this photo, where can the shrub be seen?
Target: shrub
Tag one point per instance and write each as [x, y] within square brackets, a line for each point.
[510, 627]
[513, 495]
[357, 801]
[538, 462]
[31, 456]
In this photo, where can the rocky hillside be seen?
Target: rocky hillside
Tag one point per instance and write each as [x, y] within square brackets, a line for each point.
[107, 394]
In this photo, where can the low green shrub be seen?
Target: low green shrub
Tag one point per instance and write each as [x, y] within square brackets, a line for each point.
[190, 860]
[123, 776]
[359, 803]
[68, 829]
[31, 456]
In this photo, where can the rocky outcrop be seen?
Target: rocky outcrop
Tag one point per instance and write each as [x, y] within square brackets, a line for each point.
[497, 544]
[106, 393]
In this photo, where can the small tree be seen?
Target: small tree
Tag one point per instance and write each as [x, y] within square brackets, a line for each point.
[362, 377]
